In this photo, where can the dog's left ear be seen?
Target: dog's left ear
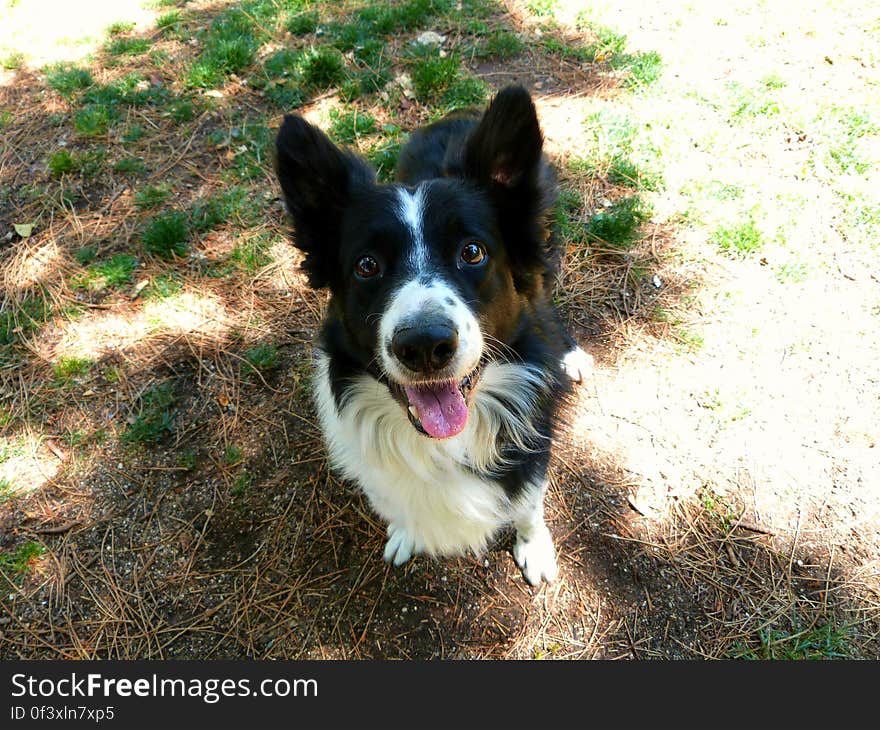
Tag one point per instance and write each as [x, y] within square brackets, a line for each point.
[504, 152]
[503, 156]
[318, 179]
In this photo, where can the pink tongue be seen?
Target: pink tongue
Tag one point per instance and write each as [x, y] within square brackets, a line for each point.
[441, 408]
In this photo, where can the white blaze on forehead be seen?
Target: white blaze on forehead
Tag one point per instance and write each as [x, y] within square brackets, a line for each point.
[410, 208]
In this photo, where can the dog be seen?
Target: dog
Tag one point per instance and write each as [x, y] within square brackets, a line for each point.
[441, 363]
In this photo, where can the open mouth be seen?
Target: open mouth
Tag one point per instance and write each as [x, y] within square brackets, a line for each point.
[440, 410]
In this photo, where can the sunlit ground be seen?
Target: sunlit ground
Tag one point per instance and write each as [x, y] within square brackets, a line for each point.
[48, 31]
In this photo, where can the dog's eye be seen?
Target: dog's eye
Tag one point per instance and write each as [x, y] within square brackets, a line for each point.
[366, 267]
[473, 253]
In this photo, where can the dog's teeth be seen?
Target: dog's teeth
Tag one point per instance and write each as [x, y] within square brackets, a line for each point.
[413, 412]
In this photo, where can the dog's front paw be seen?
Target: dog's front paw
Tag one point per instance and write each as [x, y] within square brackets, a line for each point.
[578, 365]
[400, 546]
[536, 556]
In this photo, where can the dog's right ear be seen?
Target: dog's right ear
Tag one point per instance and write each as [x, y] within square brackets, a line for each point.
[318, 180]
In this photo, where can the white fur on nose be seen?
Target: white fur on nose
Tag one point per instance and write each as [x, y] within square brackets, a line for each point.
[436, 297]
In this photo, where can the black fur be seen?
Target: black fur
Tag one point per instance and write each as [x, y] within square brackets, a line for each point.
[490, 182]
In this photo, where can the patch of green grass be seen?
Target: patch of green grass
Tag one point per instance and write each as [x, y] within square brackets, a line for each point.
[847, 131]
[501, 45]
[322, 67]
[542, 8]
[120, 27]
[644, 68]
[113, 374]
[738, 240]
[281, 82]
[718, 509]
[130, 166]
[152, 196]
[166, 235]
[90, 162]
[181, 110]
[67, 80]
[687, 340]
[573, 52]
[233, 455]
[817, 642]
[612, 133]
[260, 358]
[130, 90]
[465, 92]
[750, 103]
[252, 143]
[433, 75]
[623, 171]
[229, 46]
[250, 255]
[372, 69]
[233, 55]
[230, 207]
[568, 208]
[792, 272]
[115, 272]
[134, 133]
[384, 156]
[379, 20]
[127, 46]
[608, 47]
[169, 20]
[772, 81]
[62, 162]
[303, 22]
[13, 61]
[187, 459]
[8, 449]
[155, 416]
[19, 320]
[163, 287]
[718, 190]
[347, 126]
[860, 223]
[85, 255]
[92, 120]
[7, 490]
[242, 484]
[617, 226]
[202, 75]
[282, 63]
[68, 368]
[22, 558]
[610, 42]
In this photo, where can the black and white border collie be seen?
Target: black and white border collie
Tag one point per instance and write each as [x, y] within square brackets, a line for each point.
[441, 363]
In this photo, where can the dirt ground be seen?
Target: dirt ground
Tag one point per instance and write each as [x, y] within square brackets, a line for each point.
[716, 493]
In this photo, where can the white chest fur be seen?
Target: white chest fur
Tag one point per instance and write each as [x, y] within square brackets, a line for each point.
[428, 487]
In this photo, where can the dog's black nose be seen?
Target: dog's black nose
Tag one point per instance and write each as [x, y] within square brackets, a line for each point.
[427, 348]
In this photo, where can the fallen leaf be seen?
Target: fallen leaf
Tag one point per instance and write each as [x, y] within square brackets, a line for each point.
[23, 229]
[139, 287]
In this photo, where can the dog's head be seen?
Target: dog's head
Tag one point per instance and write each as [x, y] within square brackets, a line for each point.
[428, 281]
